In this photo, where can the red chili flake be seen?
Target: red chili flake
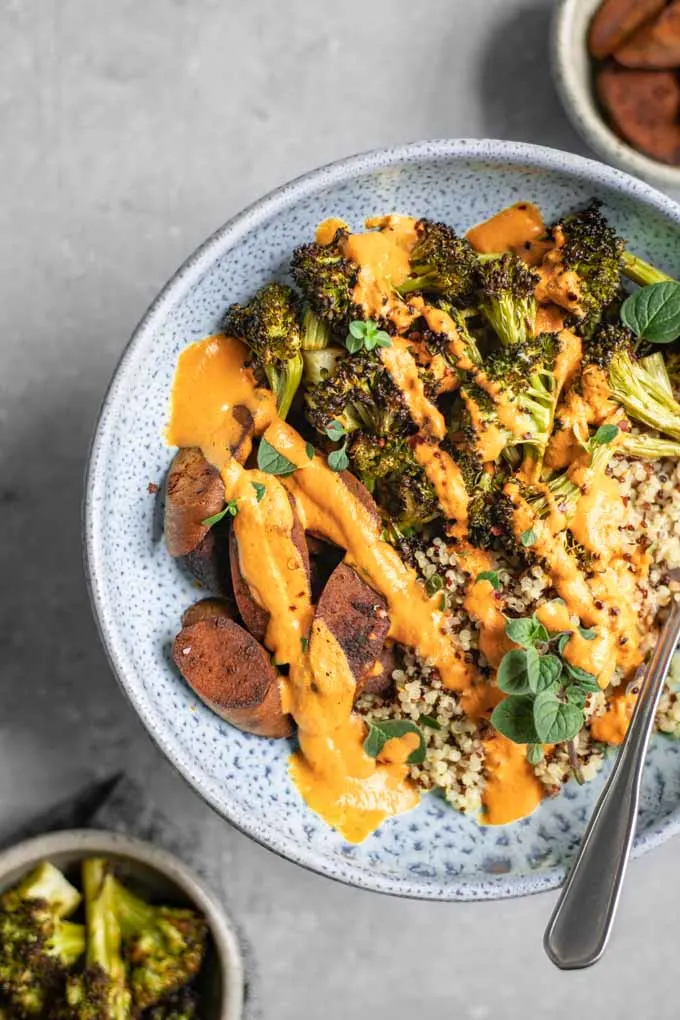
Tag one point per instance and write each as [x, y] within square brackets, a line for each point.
[599, 604]
[152, 488]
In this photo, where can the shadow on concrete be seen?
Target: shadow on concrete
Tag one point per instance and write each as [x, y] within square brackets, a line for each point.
[517, 96]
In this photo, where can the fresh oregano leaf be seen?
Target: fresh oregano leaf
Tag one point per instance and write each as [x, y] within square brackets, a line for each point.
[272, 462]
[230, 509]
[492, 577]
[357, 329]
[587, 681]
[532, 665]
[309, 450]
[338, 459]
[588, 633]
[555, 720]
[304, 643]
[563, 640]
[260, 490]
[429, 721]
[511, 676]
[575, 694]
[549, 672]
[366, 335]
[382, 730]
[528, 538]
[653, 312]
[336, 430]
[535, 754]
[514, 718]
[526, 631]
[605, 434]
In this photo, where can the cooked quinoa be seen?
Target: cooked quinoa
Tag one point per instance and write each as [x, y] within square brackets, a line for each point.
[455, 757]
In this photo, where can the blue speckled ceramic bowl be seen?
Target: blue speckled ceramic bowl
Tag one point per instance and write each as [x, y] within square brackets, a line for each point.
[139, 593]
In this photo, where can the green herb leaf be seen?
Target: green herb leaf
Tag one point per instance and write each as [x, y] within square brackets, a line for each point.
[533, 658]
[587, 681]
[353, 344]
[430, 721]
[492, 577]
[526, 631]
[588, 633]
[443, 602]
[528, 538]
[336, 430]
[231, 509]
[512, 676]
[272, 462]
[338, 459]
[653, 312]
[310, 451]
[304, 643]
[555, 720]
[514, 718]
[382, 730]
[434, 584]
[549, 672]
[366, 335]
[576, 695]
[605, 434]
[535, 754]
[260, 490]
[562, 640]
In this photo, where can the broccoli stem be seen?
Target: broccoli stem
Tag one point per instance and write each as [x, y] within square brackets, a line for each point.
[316, 333]
[284, 382]
[641, 272]
[48, 883]
[656, 366]
[68, 942]
[648, 447]
[133, 914]
[642, 397]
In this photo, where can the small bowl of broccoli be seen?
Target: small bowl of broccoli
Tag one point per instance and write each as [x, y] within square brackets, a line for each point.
[98, 926]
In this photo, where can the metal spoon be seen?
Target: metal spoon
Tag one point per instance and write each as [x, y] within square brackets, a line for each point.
[581, 923]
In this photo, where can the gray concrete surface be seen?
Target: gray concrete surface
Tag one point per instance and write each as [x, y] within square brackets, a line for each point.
[128, 131]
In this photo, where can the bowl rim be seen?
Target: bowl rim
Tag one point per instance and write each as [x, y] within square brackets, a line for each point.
[490, 152]
[584, 116]
[87, 842]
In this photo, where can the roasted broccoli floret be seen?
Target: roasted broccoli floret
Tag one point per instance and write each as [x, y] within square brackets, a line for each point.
[644, 394]
[641, 272]
[100, 992]
[441, 263]
[490, 517]
[440, 343]
[37, 946]
[361, 395]
[647, 447]
[593, 250]
[183, 1005]
[327, 280]
[506, 298]
[163, 946]
[270, 326]
[389, 469]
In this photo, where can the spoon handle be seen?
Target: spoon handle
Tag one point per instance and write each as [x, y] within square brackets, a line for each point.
[579, 928]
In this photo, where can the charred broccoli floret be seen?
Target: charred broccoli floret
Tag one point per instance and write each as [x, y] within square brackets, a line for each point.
[100, 992]
[564, 491]
[440, 343]
[593, 250]
[506, 298]
[490, 517]
[389, 469]
[327, 280]
[182, 1006]
[163, 946]
[270, 326]
[441, 263]
[361, 395]
[644, 395]
[37, 946]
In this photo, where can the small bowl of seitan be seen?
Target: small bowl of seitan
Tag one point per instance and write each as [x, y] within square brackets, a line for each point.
[616, 64]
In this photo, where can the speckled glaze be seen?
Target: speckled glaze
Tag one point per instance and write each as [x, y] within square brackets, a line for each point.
[139, 593]
[571, 67]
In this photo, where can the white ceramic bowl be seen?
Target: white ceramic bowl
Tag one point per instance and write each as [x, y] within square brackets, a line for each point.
[154, 873]
[139, 592]
[571, 66]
